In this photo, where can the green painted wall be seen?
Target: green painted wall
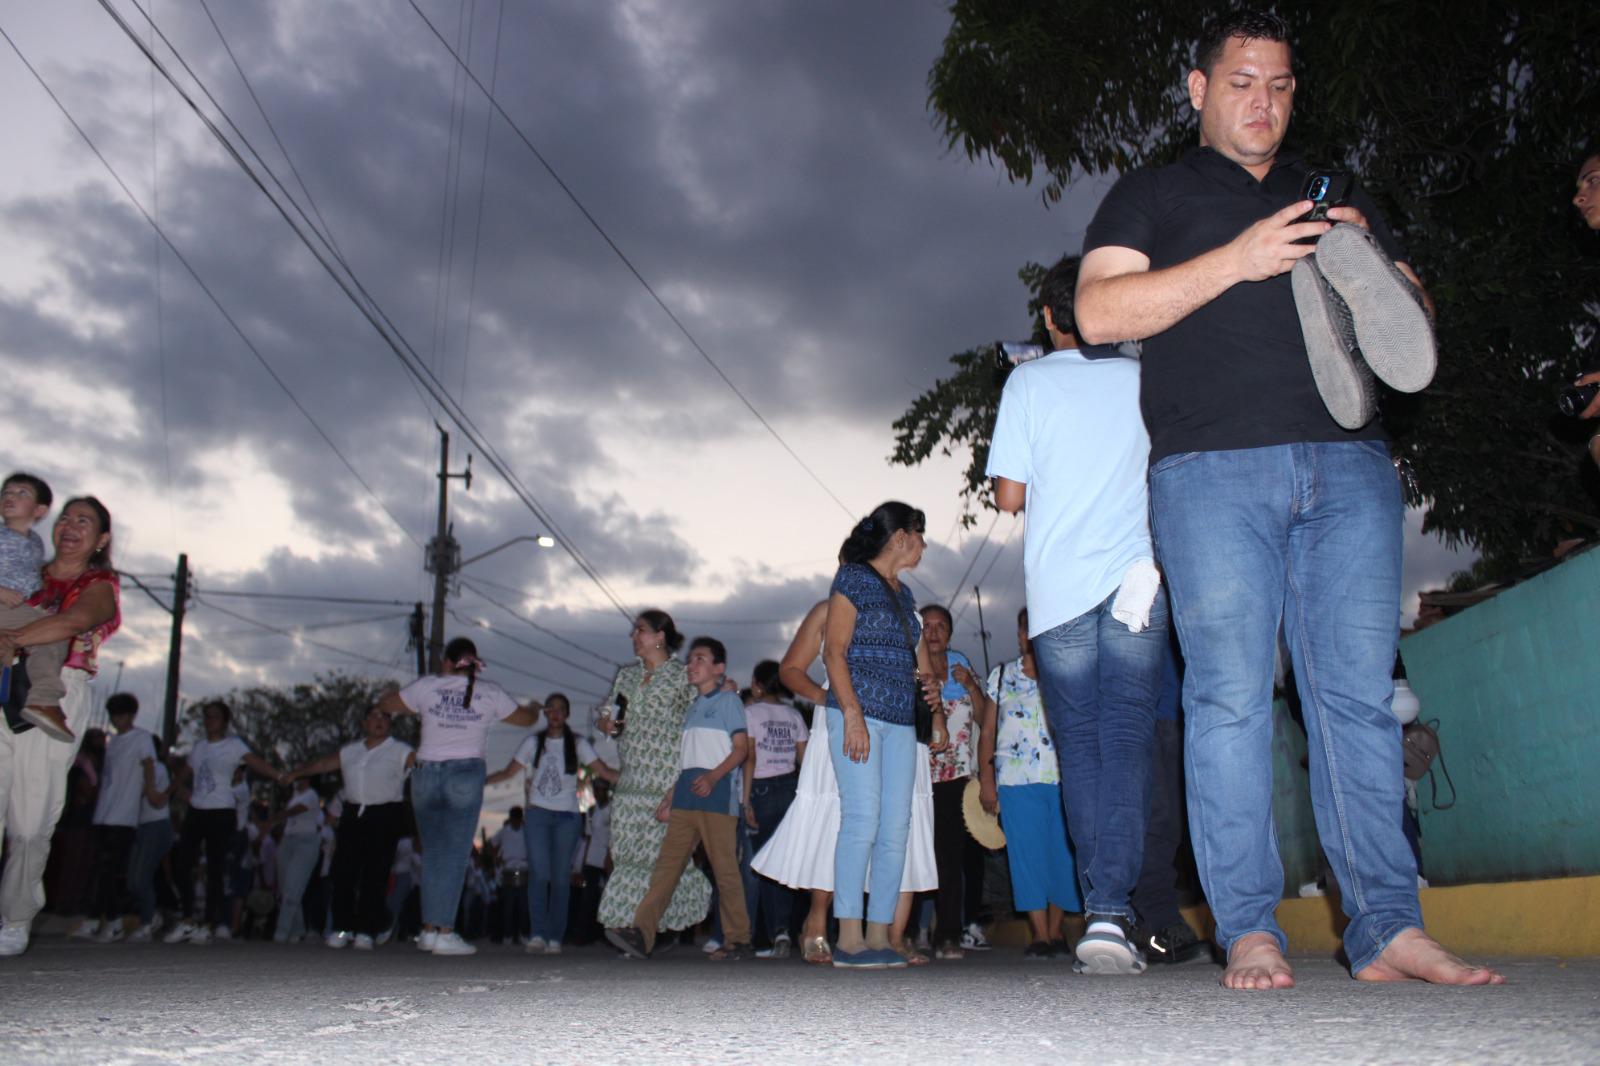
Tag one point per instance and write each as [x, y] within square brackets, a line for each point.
[1515, 684]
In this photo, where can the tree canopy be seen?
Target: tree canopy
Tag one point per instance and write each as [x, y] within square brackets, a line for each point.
[1467, 122]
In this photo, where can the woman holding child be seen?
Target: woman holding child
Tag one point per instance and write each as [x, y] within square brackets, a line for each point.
[81, 597]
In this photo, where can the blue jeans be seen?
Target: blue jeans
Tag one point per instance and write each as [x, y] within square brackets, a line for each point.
[771, 798]
[552, 838]
[1100, 681]
[874, 817]
[446, 797]
[150, 846]
[1308, 535]
[298, 856]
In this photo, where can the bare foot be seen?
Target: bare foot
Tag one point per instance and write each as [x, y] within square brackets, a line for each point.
[1256, 965]
[1415, 956]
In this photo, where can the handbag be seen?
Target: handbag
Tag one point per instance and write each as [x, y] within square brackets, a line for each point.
[921, 713]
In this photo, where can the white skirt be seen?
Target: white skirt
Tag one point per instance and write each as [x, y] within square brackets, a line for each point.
[800, 853]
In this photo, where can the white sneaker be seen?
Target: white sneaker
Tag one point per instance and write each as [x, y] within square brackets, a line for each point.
[427, 939]
[452, 944]
[110, 933]
[223, 934]
[534, 946]
[88, 929]
[180, 932]
[363, 942]
[972, 938]
[143, 935]
[552, 947]
[337, 940]
[1312, 890]
[201, 936]
[13, 938]
[712, 946]
[385, 936]
[156, 922]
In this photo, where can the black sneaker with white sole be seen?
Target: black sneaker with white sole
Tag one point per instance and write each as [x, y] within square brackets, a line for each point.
[1392, 327]
[1344, 381]
[1175, 945]
[1106, 948]
[628, 941]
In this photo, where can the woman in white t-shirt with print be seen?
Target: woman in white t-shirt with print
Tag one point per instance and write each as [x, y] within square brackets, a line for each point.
[298, 854]
[212, 820]
[456, 710]
[551, 822]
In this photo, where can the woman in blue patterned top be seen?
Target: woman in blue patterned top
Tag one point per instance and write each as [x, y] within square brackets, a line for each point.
[873, 671]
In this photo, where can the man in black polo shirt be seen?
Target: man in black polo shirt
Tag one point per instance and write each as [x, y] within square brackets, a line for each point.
[1264, 512]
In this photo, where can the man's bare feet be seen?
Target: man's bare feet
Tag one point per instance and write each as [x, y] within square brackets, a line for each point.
[1415, 956]
[1256, 965]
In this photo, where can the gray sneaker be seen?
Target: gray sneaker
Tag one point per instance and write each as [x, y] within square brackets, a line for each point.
[1107, 949]
[1392, 328]
[1344, 381]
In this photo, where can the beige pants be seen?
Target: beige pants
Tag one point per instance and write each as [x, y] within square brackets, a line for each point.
[44, 661]
[685, 829]
[33, 788]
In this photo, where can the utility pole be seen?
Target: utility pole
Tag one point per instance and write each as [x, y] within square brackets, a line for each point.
[444, 554]
[180, 600]
[419, 640]
[983, 633]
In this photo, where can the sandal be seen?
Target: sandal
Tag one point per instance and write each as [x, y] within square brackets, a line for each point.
[817, 951]
[949, 951]
[733, 953]
[912, 955]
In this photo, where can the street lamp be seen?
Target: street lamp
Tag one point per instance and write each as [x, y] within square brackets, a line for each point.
[543, 540]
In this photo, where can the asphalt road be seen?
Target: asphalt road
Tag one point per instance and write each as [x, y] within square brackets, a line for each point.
[71, 1002]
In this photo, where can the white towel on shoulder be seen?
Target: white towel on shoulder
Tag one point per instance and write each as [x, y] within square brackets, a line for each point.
[1136, 596]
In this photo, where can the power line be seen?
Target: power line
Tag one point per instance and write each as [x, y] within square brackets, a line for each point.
[628, 263]
[481, 624]
[973, 561]
[995, 558]
[472, 587]
[483, 187]
[392, 336]
[310, 627]
[290, 633]
[189, 267]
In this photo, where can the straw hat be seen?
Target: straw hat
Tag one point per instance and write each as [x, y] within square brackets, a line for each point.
[984, 827]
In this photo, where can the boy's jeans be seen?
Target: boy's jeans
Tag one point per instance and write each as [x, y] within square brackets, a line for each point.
[446, 797]
[1309, 534]
[874, 817]
[1100, 682]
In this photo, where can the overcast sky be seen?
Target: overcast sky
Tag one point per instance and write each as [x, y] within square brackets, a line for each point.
[769, 167]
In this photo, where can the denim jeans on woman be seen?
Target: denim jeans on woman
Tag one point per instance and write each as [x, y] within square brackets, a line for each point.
[552, 839]
[771, 798]
[446, 797]
[1309, 535]
[298, 856]
[150, 846]
[874, 817]
[1100, 681]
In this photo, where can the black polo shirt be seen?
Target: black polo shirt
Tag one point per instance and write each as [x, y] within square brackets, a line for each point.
[1234, 373]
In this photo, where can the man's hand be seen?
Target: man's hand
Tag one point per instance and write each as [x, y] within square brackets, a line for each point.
[1593, 410]
[1348, 214]
[750, 817]
[703, 784]
[1268, 248]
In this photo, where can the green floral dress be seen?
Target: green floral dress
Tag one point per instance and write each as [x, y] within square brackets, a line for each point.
[649, 747]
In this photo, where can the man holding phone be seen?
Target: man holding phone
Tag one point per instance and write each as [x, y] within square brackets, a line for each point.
[1265, 512]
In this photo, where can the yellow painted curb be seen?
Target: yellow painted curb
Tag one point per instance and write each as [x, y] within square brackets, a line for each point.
[1560, 916]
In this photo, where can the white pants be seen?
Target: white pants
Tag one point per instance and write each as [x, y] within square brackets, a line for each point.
[33, 788]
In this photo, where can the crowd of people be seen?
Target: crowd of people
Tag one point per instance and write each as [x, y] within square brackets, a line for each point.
[1187, 511]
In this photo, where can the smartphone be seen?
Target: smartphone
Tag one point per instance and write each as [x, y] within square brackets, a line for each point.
[1325, 189]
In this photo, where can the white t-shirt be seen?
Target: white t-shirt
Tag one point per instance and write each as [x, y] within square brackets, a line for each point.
[213, 763]
[122, 778]
[147, 813]
[375, 775]
[1071, 430]
[451, 730]
[547, 785]
[308, 821]
[513, 847]
[775, 729]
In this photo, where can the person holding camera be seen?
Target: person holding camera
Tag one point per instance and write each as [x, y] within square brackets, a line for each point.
[1265, 510]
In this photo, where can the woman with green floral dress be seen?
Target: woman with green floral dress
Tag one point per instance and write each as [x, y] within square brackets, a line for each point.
[648, 738]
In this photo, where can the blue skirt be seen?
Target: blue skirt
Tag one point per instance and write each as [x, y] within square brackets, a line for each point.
[1037, 848]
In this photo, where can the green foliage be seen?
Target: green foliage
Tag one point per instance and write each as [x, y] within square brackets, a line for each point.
[959, 411]
[1466, 121]
[292, 725]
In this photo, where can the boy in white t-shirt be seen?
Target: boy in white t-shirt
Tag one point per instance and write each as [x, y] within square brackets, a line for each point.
[701, 807]
[1070, 443]
[128, 772]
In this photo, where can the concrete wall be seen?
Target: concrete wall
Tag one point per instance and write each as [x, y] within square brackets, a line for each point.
[1515, 684]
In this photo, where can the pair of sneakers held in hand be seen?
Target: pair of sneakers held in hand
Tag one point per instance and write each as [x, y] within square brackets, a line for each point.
[1362, 318]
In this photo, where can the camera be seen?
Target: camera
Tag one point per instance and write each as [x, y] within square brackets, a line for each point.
[1575, 398]
[1325, 189]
